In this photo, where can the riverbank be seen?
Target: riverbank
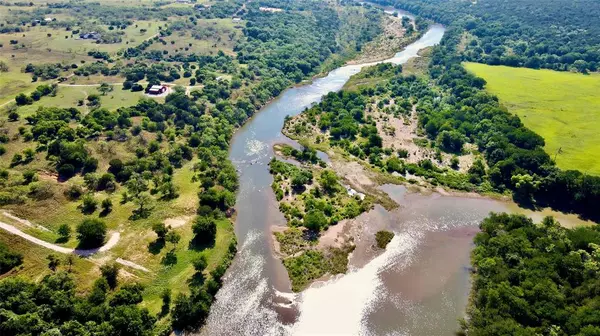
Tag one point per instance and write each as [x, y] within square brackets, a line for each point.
[396, 35]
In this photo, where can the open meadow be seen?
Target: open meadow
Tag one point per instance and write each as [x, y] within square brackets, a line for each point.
[562, 107]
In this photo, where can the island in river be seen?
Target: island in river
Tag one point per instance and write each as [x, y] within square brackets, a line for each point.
[418, 285]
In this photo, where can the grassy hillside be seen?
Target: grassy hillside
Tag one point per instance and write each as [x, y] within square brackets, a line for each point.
[562, 107]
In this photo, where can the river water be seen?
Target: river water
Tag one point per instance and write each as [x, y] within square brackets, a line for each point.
[418, 286]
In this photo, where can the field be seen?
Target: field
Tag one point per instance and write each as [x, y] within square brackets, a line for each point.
[562, 107]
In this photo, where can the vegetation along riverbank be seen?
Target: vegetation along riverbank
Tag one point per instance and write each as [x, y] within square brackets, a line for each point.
[89, 152]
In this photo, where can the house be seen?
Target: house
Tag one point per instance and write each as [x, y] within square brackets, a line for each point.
[270, 9]
[237, 19]
[90, 36]
[157, 89]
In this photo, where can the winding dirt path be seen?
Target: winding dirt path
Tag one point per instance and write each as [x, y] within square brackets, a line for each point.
[112, 241]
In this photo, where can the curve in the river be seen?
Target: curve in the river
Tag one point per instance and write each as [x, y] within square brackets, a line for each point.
[255, 298]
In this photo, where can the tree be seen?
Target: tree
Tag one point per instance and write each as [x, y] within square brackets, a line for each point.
[173, 237]
[105, 88]
[53, 262]
[525, 187]
[110, 272]
[91, 233]
[200, 263]
[315, 220]
[106, 205]
[64, 231]
[329, 181]
[9, 259]
[88, 204]
[166, 301]
[144, 203]
[160, 229]
[70, 261]
[22, 99]
[205, 230]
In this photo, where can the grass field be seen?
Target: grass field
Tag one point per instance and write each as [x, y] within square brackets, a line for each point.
[562, 107]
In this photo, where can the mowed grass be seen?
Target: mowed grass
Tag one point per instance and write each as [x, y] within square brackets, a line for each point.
[562, 107]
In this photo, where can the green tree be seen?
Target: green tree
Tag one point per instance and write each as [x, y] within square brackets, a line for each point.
[91, 233]
[110, 272]
[105, 88]
[205, 230]
[315, 220]
[64, 231]
[53, 262]
[329, 181]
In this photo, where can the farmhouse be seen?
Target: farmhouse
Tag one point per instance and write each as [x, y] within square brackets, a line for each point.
[157, 89]
[270, 9]
[90, 36]
[236, 19]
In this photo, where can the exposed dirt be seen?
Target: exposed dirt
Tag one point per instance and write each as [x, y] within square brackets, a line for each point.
[392, 40]
[177, 221]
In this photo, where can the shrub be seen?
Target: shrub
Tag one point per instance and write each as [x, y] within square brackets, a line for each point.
[8, 259]
[89, 204]
[383, 238]
[64, 231]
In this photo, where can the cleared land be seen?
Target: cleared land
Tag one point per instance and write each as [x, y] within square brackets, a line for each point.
[562, 107]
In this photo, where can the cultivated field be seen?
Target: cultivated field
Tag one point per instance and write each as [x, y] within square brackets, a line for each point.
[562, 107]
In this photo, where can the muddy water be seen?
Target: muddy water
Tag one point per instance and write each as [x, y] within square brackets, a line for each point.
[255, 298]
[419, 285]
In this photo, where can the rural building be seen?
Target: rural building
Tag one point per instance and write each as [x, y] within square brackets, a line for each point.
[236, 19]
[90, 36]
[270, 9]
[157, 89]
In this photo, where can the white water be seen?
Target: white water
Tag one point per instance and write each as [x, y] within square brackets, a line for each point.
[339, 307]
[249, 302]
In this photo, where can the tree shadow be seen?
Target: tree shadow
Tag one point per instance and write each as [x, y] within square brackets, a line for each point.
[156, 246]
[197, 279]
[170, 258]
[139, 214]
[524, 202]
[104, 213]
[198, 244]
[61, 240]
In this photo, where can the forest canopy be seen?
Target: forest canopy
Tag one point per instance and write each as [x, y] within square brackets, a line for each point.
[534, 278]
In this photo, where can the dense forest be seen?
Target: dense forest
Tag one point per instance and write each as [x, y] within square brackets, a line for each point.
[558, 35]
[514, 154]
[534, 278]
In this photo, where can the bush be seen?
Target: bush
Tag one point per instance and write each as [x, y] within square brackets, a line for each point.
[383, 238]
[89, 204]
[91, 233]
[66, 171]
[8, 259]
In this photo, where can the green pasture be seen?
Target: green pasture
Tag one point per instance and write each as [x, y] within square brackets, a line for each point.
[562, 107]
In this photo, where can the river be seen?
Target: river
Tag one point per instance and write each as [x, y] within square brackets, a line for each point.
[418, 286]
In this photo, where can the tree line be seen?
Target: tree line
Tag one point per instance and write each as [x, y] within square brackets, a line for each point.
[559, 35]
